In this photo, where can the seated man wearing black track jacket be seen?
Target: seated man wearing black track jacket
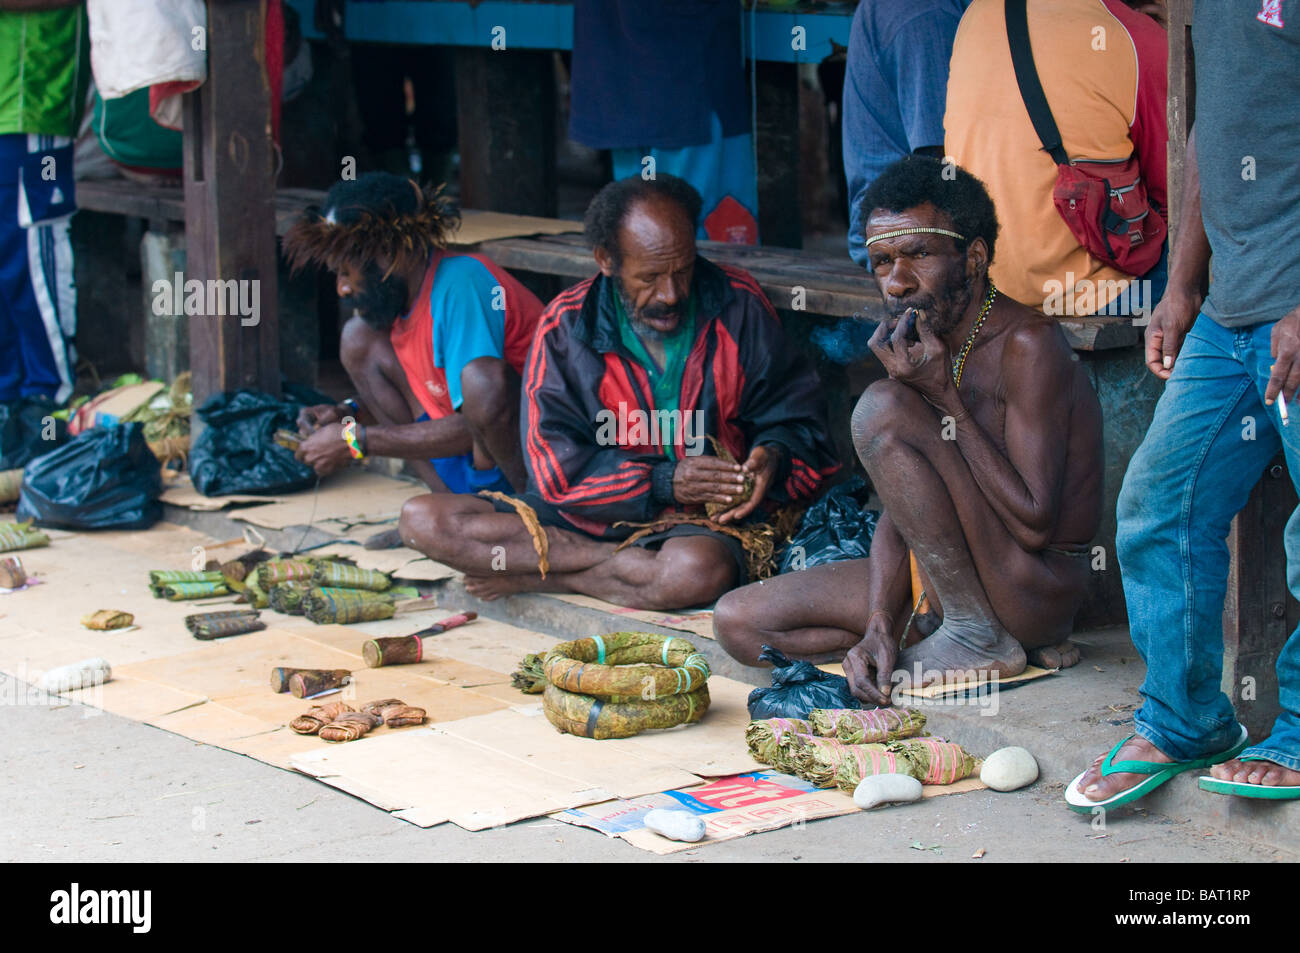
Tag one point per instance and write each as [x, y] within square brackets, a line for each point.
[631, 372]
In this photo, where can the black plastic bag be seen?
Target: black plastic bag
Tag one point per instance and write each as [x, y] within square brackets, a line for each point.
[105, 478]
[236, 451]
[797, 688]
[28, 430]
[834, 528]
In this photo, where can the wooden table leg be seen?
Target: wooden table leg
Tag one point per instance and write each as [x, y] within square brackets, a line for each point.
[506, 120]
[230, 204]
[1259, 612]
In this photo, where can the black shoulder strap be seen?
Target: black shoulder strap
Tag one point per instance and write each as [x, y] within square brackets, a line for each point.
[1031, 90]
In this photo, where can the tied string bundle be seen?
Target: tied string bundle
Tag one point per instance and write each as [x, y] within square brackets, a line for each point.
[342, 576]
[287, 597]
[856, 727]
[764, 737]
[179, 585]
[843, 766]
[937, 761]
[218, 625]
[326, 605]
[16, 536]
[620, 684]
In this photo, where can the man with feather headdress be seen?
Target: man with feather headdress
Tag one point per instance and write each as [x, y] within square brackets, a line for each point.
[435, 344]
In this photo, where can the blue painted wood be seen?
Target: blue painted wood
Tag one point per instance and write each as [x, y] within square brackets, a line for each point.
[549, 26]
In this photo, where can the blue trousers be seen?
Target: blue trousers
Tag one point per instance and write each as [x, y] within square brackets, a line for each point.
[1209, 442]
[38, 304]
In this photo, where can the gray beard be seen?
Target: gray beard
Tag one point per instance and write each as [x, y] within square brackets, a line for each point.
[644, 331]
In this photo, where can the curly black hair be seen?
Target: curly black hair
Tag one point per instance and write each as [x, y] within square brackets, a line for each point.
[607, 211]
[915, 180]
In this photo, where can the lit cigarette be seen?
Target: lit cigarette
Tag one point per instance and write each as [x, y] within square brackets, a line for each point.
[1281, 404]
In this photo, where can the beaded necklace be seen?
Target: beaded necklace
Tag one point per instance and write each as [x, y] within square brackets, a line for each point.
[959, 363]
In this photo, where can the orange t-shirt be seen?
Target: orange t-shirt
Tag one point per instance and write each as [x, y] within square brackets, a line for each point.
[1103, 70]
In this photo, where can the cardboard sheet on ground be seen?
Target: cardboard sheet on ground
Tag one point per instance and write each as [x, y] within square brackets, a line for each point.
[401, 563]
[695, 621]
[218, 693]
[79, 574]
[382, 560]
[950, 689]
[481, 226]
[181, 492]
[512, 764]
[731, 807]
[353, 496]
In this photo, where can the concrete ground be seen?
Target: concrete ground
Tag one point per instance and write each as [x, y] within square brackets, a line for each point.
[81, 785]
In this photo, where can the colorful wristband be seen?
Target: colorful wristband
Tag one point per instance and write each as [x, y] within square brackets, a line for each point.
[355, 446]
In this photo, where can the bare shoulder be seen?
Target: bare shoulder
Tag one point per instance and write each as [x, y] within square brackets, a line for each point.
[1033, 340]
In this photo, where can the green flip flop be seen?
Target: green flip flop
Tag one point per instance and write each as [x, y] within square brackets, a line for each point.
[1264, 792]
[1157, 773]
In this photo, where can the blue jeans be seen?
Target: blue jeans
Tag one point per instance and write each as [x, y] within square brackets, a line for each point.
[1209, 442]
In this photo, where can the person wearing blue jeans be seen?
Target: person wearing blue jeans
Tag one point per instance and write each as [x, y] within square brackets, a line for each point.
[1231, 363]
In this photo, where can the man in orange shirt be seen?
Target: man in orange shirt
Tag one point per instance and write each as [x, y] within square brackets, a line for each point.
[1102, 66]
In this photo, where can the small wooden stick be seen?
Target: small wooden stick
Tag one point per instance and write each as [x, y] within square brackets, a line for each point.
[396, 650]
[280, 676]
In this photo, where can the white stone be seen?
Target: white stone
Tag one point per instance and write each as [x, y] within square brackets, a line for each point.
[876, 789]
[1008, 769]
[83, 674]
[675, 825]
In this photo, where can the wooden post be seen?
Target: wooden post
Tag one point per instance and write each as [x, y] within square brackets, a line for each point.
[230, 203]
[777, 140]
[1259, 612]
[506, 118]
[1182, 101]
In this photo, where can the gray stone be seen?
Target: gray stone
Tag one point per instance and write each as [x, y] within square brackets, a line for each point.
[877, 789]
[1008, 769]
[675, 825]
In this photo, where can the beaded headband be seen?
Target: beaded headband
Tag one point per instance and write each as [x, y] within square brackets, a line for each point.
[912, 231]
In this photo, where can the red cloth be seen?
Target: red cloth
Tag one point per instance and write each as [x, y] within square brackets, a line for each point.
[412, 337]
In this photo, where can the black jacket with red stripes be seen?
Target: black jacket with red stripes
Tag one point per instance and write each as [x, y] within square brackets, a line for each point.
[753, 385]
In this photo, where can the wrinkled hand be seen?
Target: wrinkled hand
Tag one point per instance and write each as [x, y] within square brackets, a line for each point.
[706, 480]
[1285, 348]
[924, 365]
[325, 451]
[1170, 321]
[869, 665]
[762, 464]
[316, 416]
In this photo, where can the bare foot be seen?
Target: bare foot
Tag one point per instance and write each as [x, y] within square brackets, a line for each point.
[1255, 772]
[941, 657]
[500, 584]
[385, 539]
[1095, 787]
[1062, 655]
